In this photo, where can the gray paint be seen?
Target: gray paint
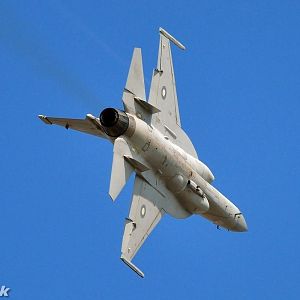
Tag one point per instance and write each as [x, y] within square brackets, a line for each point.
[169, 177]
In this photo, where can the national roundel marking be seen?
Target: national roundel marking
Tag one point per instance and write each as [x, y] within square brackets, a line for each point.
[164, 92]
[143, 211]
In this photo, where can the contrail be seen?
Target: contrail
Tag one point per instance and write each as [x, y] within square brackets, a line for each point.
[14, 37]
[72, 17]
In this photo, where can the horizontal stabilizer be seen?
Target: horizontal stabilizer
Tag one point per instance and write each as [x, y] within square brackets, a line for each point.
[45, 119]
[135, 80]
[90, 124]
[135, 86]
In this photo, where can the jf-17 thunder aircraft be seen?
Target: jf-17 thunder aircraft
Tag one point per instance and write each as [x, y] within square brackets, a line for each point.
[148, 140]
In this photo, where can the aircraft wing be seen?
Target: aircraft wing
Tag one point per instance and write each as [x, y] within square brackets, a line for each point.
[163, 96]
[163, 87]
[145, 213]
[88, 125]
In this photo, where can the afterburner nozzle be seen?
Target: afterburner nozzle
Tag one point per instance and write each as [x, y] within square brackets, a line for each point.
[114, 121]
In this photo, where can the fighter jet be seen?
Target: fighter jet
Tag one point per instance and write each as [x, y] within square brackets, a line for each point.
[148, 140]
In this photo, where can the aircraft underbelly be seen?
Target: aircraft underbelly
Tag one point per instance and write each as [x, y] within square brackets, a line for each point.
[167, 165]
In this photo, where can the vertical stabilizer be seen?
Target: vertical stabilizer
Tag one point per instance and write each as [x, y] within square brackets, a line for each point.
[121, 169]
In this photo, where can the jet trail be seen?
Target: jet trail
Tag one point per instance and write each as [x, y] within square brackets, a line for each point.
[15, 37]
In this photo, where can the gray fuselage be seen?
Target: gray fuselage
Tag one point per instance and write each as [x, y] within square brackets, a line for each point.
[176, 171]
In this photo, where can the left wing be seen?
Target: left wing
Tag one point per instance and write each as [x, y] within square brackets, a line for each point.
[89, 125]
[145, 213]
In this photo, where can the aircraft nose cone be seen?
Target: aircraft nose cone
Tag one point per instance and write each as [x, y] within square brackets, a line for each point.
[241, 224]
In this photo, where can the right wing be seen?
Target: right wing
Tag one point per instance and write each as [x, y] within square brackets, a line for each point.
[163, 87]
[145, 213]
[89, 125]
[163, 96]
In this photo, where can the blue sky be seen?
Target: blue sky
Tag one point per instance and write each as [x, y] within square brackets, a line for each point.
[238, 85]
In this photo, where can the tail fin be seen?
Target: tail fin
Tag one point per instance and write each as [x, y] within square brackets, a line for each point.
[121, 169]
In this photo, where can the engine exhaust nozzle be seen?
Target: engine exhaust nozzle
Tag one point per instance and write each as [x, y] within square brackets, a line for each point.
[114, 122]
